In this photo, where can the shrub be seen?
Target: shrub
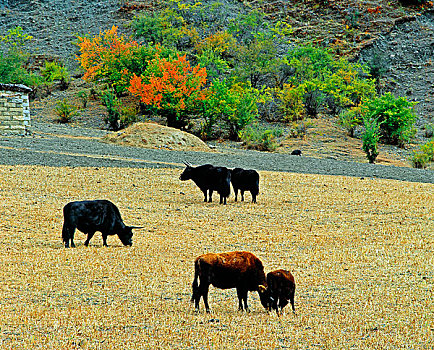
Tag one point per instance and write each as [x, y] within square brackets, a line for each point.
[428, 149]
[215, 65]
[15, 39]
[309, 63]
[262, 139]
[424, 155]
[65, 111]
[395, 116]
[290, 102]
[171, 87]
[84, 97]
[350, 119]
[419, 160]
[429, 130]
[166, 27]
[344, 87]
[112, 104]
[377, 68]
[313, 99]
[245, 109]
[112, 59]
[370, 138]
[54, 71]
[217, 105]
[128, 116]
[13, 59]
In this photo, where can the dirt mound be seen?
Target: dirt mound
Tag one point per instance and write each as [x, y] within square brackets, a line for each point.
[152, 135]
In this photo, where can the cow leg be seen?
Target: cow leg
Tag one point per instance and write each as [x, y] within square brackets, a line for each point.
[68, 235]
[210, 196]
[291, 299]
[104, 240]
[253, 197]
[89, 236]
[236, 193]
[205, 195]
[242, 298]
[274, 304]
[204, 292]
[222, 199]
[242, 196]
[282, 304]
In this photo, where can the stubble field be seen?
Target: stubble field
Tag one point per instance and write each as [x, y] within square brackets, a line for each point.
[361, 251]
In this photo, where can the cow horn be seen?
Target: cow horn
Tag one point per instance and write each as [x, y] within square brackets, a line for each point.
[186, 163]
[262, 288]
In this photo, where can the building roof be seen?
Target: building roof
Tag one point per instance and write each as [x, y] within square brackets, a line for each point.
[15, 87]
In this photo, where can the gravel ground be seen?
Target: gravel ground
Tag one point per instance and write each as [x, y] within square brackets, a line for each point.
[63, 145]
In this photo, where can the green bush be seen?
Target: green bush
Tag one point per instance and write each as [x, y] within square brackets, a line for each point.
[350, 119]
[308, 63]
[245, 110]
[428, 149]
[290, 102]
[395, 116]
[84, 97]
[128, 116]
[217, 106]
[13, 59]
[112, 103]
[370, 138]
[419, 160]
[313, 99]
[424, 155]
[262, 139]
[53, 71]
[65, 111]
[215, 65]
[12, 70]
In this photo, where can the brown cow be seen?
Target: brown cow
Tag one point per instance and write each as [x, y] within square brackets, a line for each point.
[281, 288]
[240, 270]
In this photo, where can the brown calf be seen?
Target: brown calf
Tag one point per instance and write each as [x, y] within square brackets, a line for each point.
[281, 288]
[240, 270]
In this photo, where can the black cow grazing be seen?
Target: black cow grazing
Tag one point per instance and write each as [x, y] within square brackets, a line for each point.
[92, 216]
[209, 178]
[240, 270]
[245, 180]
[281, 288]
[296, 152]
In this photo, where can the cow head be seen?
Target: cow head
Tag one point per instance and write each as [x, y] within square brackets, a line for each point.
[126, 236]
[264, 296]
[187, 173]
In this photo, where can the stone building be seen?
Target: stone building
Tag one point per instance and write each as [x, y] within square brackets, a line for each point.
[14, 109]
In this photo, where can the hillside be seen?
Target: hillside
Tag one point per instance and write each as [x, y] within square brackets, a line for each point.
[356, 29]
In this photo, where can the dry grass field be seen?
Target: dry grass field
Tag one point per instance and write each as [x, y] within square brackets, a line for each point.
[361, 251]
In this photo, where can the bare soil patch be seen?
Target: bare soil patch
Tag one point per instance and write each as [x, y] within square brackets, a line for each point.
[361, 251]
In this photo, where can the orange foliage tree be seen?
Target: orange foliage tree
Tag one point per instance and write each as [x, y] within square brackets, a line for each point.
[107, 58]
[172, 87]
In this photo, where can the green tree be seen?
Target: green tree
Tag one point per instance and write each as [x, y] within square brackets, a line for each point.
[370, 138]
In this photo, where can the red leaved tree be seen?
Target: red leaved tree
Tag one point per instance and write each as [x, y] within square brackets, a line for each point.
[171, 87]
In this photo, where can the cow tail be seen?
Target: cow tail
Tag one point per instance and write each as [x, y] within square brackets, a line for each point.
[195, 285]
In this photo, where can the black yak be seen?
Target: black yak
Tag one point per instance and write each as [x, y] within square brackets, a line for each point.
[209, 178]
[245, 180]
[240, 270]
[92, 216]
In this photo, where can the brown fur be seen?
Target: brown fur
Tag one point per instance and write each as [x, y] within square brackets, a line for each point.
[240, 270]
[281, 289]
